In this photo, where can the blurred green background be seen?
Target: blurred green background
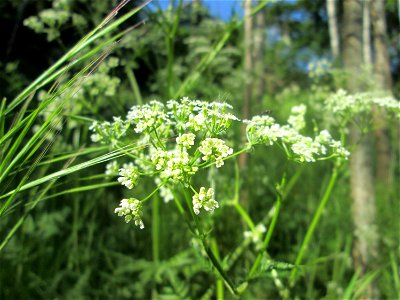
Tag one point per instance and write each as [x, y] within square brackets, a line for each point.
[69, 244]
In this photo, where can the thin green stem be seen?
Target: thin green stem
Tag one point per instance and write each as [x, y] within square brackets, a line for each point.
[207, 249]
[155, 229]
[153, 192]
[237, 182]
[219, 283]
[244, 215]
[183, 212]
[314, 222]
[134, 84]
[271, 228]
[395, 272]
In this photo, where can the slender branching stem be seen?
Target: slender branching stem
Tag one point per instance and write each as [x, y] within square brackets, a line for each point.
[314, 222]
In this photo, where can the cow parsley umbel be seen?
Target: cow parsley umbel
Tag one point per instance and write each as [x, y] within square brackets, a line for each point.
[172, 142]
[131, 209]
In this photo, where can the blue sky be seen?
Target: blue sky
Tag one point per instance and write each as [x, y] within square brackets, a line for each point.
[223, 9]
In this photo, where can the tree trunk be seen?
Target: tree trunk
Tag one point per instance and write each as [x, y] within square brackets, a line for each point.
[248, 60]
[364, 207]
[248, 68]
[362, 183]
[333, 27]
[383, 82]
[382, 62]
[367, 34]
[259, 42]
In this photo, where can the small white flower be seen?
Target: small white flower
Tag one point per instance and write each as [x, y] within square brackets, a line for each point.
[131, 209]
[95, 138]
[111, 168]
[129, 175]
[215, 148]
[186, 140]
[256, 235]
[296, 120]
[196, 122]
[174, 164]
[204, 199]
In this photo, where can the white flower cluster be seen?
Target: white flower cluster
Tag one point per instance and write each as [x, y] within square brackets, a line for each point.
[204, 199]
[168, 120]
[112, 168]
[107, 132]
[256, 235]
[296, 119]
[129, 175]
[264, 130]
[342, 103]
[173, 137]
[174, 164]
[215, 148]
[186, 140]
[166, 135]
[131, 209]
[198, 115]
[148, 117]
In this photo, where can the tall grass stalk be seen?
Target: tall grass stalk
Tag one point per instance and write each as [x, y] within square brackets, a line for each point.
[18, 149]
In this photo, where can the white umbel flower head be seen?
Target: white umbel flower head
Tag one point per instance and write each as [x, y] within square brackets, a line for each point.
[131, 209]
[256, 235]
[186, 140]
[215, 148]
[296, 119]
[129, 175]
[204, 199]
[111, 168]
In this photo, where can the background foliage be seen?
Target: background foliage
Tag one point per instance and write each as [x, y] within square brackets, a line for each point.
[68, 242]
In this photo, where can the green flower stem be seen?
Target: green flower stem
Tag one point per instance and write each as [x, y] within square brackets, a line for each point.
[314, 223]
[395, 272]
[270, 229]
[155, 229]
[193, 190]
[189, 205]
[237, 182]
[244, 215]
[183, 212]
[207, 249]
[220, 283]
[327, 157]
[158, 139]
[153, 192]
[134, 84]
[196, 156]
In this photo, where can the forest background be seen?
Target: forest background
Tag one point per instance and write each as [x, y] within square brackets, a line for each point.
[285, 227]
